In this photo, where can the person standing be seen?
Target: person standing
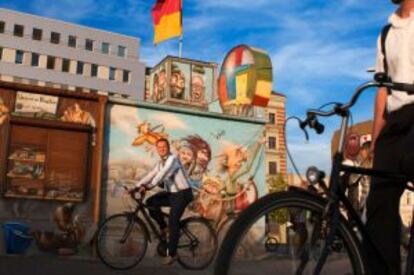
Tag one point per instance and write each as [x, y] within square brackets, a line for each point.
[393, 138]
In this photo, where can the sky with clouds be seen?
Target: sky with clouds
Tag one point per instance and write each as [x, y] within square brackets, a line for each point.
[320, 49]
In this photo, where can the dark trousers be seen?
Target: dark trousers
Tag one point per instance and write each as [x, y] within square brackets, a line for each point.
[394, 152]
[178, 202]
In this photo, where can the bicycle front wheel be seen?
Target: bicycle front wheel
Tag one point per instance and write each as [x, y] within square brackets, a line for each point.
[121, 241]
[197, 245]
[294, 220]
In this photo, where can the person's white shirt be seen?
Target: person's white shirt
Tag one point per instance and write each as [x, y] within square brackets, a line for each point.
[399, 48]
[170, 172]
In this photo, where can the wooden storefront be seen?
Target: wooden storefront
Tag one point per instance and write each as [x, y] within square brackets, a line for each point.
[51, 144]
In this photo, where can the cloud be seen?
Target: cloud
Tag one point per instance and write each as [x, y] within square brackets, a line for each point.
[169, 121]
[311, 154]
[125, 119]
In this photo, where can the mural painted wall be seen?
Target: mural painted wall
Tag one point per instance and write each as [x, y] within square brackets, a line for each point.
[223, 158]
[245, 80]
[182, 82]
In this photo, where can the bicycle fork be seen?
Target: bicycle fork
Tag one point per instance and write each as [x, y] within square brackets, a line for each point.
[128, 229]
[331, 213]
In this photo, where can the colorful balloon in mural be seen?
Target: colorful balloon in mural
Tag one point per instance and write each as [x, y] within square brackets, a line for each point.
[245, 80]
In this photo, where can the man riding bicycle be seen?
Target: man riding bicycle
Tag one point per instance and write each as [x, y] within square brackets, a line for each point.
[393, 136]
[177, 194]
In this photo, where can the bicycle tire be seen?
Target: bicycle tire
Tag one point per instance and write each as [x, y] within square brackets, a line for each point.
[296, 200]
[199, 255]
[107, 246]
[222, 231]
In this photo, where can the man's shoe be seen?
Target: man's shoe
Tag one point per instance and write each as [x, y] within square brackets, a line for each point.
[169, 260]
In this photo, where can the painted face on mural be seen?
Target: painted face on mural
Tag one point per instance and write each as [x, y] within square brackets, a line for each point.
[163, 148]
[177, 85]
[197, 88]
[159, 86]
[186, 155]
[234, 159]
[203, 157]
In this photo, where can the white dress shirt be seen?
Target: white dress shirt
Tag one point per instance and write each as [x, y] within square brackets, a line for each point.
[168, 171]
[399, 48]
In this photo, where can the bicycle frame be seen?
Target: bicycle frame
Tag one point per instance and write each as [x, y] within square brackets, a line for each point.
[143, 209]
[336, 190]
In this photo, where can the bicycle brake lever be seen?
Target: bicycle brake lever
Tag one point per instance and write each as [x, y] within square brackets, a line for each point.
[302, 125]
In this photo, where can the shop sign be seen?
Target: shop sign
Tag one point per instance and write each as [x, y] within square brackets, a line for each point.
[35, 103]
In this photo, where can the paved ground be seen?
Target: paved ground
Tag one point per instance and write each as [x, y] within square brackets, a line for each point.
[54, 265]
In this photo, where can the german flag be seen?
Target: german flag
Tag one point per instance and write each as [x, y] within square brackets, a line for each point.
[167, 18]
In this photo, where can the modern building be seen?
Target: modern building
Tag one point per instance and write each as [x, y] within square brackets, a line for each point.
[275, 113]
[46, 52]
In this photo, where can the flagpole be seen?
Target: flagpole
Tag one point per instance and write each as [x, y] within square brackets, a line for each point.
[180, 47]
[180, 43]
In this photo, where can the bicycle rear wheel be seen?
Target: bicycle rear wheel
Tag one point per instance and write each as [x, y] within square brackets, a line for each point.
[197, 245]
[296, 219]
[121, 241]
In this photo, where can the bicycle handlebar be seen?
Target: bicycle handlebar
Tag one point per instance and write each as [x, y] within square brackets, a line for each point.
[132, 193]
[380, 80]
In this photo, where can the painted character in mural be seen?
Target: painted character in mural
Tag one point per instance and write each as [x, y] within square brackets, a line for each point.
[358, 153]
[197, 88]
[177, 194]
[177, 83]
[148, 134]
[237, 162]
[187, 155]
[202, 157]
[209, 202]
[75, 114]
[160, 80]
[4, 112]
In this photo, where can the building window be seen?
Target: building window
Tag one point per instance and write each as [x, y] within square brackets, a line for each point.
[89, 44]
[18, 30]
[121, 51]
[2, 26]
[94, 70]
[35, 60]
[112, 73]
[272, 168]
[125, 76]
[72, 41]
[55, 37]
[272, 118]
[79, 67]
[1, 53]
[19, 57]
[50, 64]
[105, 47]
[65, 65]
[272, 143]
[37, 34]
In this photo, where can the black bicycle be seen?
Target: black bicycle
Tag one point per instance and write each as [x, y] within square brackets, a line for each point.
[122, 239]
[316, 234]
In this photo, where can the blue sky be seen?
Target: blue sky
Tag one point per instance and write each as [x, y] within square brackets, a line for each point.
[320, 49]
